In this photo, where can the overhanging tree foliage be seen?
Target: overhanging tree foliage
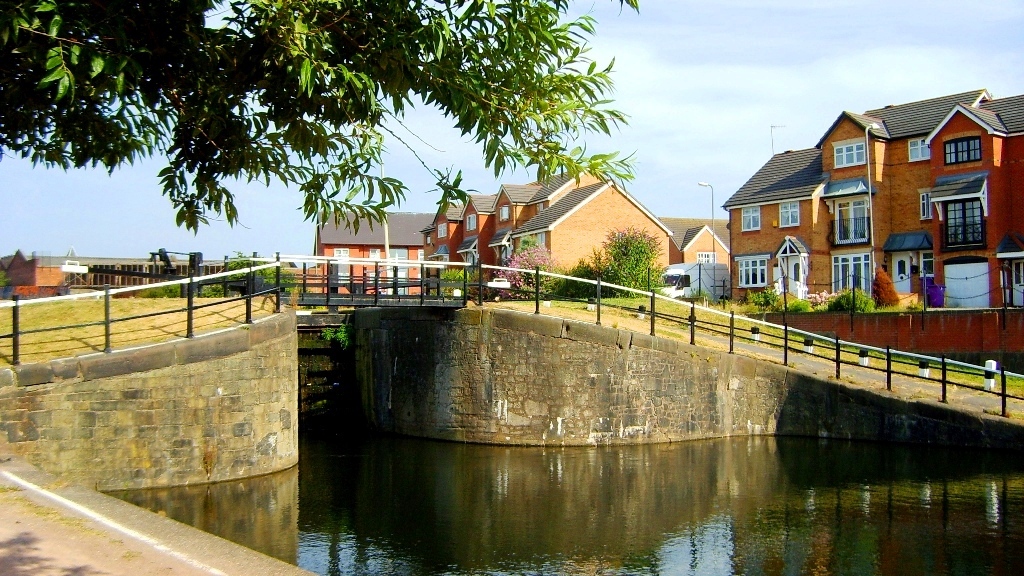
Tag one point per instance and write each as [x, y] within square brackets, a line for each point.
[298, 91]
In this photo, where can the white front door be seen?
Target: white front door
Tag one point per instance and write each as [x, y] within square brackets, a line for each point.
[900, 272]
[967, 285]
[1017, 282]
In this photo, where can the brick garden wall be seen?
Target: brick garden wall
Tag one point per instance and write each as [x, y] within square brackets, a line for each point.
[504, 377]
[217, 407]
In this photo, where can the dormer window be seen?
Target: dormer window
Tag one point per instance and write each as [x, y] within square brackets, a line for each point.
[442, 230]
[963, 150]
[471, 222]
[503, 213]
[849, 154]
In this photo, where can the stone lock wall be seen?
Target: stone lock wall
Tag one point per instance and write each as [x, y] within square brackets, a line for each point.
[217, 407]
[503, 377]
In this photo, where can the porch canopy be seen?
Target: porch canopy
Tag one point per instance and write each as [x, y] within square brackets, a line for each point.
[908, 242]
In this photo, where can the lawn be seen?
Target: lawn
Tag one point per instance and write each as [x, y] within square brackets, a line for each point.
[88, 334]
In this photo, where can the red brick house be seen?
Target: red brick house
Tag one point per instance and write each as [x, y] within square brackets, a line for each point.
[442, 238]
[405, 241]
[694, 241]
[478, 223]
[940, 174]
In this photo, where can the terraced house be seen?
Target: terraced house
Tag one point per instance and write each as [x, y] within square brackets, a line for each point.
[567, 217]
[930, 191]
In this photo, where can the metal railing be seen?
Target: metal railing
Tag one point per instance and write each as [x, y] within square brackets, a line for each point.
[727, 327]
[844, 231]
[243, 280]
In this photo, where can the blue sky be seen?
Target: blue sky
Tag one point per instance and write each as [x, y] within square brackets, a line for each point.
[702, 82]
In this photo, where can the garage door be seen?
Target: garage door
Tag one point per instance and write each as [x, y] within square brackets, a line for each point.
[967, 285]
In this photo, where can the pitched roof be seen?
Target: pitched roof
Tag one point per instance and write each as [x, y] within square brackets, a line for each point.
[467, 245]
[500, 237]
[793, 174]
[1010, 111]
[684, 230]
[520, 193]
[914, 118]
[404, 229]
[549, 187]
[560, 208]
[484, 203]
[454, 212]
[1012, 243]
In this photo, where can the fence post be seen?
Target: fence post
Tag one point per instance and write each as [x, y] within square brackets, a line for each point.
[16, 331]
[536, 290]
[277, 282]
[394, 281]
[248, 295]
[189, 304]
[838, 360]
[224, 280]
[465, 285]
[732, 330]
[106, 318]
[376, 283]
[598, 299]
[943, 399]
[888, 368]
[1002, 378]
[853, 303]
[480, 284]
[785, 343]
[422, 270]
[693, 323]
[652, 313]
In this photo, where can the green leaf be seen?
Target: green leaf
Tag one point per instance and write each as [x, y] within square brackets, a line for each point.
[55, 23]
[95, 66]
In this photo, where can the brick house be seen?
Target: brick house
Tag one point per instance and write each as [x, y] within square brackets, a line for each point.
[694, 240]
[478, 227]
[442, 238]
[405, 240]
[571, 218]
[807, 214]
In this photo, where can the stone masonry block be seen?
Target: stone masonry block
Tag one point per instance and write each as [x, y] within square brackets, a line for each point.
[584, 332]
[211, 347]
[33, 374]
[6, 377]
[126, 362]
[524, 322]
[65, 368]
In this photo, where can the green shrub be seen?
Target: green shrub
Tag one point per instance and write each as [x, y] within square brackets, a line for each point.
[845, 302]
[766, 300]
[3, 279]
[574, 289]
[630, 259]
[797, 305]
[342, 335]
[173, 291]
[451, 277]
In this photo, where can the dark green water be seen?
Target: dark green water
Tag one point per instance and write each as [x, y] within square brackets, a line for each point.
[739, 506]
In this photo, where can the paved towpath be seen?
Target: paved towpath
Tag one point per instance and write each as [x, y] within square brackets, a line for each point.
[50, 528]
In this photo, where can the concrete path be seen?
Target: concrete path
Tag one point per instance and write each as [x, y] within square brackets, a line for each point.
[48, 527]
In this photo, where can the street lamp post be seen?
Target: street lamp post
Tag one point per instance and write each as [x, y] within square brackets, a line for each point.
[706, 185]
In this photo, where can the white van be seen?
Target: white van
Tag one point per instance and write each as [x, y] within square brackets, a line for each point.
[686, 280]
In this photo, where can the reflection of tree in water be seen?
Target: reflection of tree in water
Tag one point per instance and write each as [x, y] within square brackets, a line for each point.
[734, 506]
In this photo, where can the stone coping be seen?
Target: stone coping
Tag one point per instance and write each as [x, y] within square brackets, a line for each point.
[209, 346]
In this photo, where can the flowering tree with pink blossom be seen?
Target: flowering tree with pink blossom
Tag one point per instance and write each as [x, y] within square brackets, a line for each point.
[529, 258]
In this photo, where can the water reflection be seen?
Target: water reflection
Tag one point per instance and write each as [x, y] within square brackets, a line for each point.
[742, 506]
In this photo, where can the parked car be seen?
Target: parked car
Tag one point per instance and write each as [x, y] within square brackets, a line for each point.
[687, 280]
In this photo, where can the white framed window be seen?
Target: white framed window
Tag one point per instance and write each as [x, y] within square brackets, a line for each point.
[399, 253]
[751, 218]
[753, 272]
[849, 270]
[375, 253]
[471, 222]
[789, 214]
[926, 206]
[706, 257]
[503, 213]
[1018, 272]
[849, 154]
[927, 263]
[442, 230]
[540, 207]
[542, 239]
[419, 254]
[919, 150]
[341, 252]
